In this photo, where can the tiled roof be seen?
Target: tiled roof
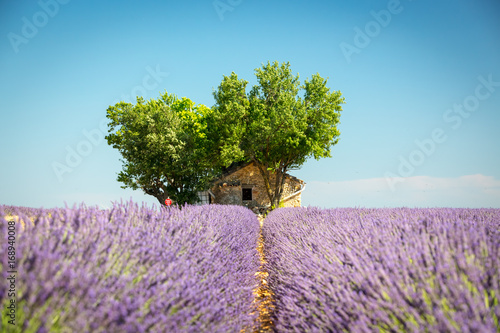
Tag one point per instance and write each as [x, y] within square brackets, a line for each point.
[240, 165]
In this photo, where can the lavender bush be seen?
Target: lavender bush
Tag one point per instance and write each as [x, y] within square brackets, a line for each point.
[30, 211]
[384, 270]
[134, 269]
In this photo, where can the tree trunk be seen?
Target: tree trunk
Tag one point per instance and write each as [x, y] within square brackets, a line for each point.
[274, 194]
[265, 177]
[278, 190]
[283, 178]
[157, 193]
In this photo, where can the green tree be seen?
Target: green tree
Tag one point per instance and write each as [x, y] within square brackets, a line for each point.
[278, 124]
[163, 145]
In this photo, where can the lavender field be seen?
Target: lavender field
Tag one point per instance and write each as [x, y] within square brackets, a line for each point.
[133, 269]
[384, 270]
[213, 269]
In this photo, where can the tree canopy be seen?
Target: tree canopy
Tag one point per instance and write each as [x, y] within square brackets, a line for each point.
[162, 143]
[173, 148]
[278, 124]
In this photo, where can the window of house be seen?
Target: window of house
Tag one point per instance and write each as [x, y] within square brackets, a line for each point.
[204, 197]
[246, 194]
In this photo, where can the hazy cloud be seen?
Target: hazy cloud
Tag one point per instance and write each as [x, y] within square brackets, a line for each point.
[418, 191]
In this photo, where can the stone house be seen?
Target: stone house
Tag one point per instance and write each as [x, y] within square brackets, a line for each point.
[242, 184]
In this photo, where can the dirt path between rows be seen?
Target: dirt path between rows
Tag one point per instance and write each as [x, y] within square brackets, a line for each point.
[263, 295]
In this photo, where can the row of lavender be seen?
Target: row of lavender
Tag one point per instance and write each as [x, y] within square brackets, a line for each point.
[30, 211]
[134, 269]
[384, 270]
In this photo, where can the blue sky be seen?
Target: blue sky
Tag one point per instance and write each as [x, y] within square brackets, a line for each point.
[421, 81]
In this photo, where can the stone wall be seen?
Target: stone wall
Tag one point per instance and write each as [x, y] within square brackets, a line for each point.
[228, 190]
[293, 201]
